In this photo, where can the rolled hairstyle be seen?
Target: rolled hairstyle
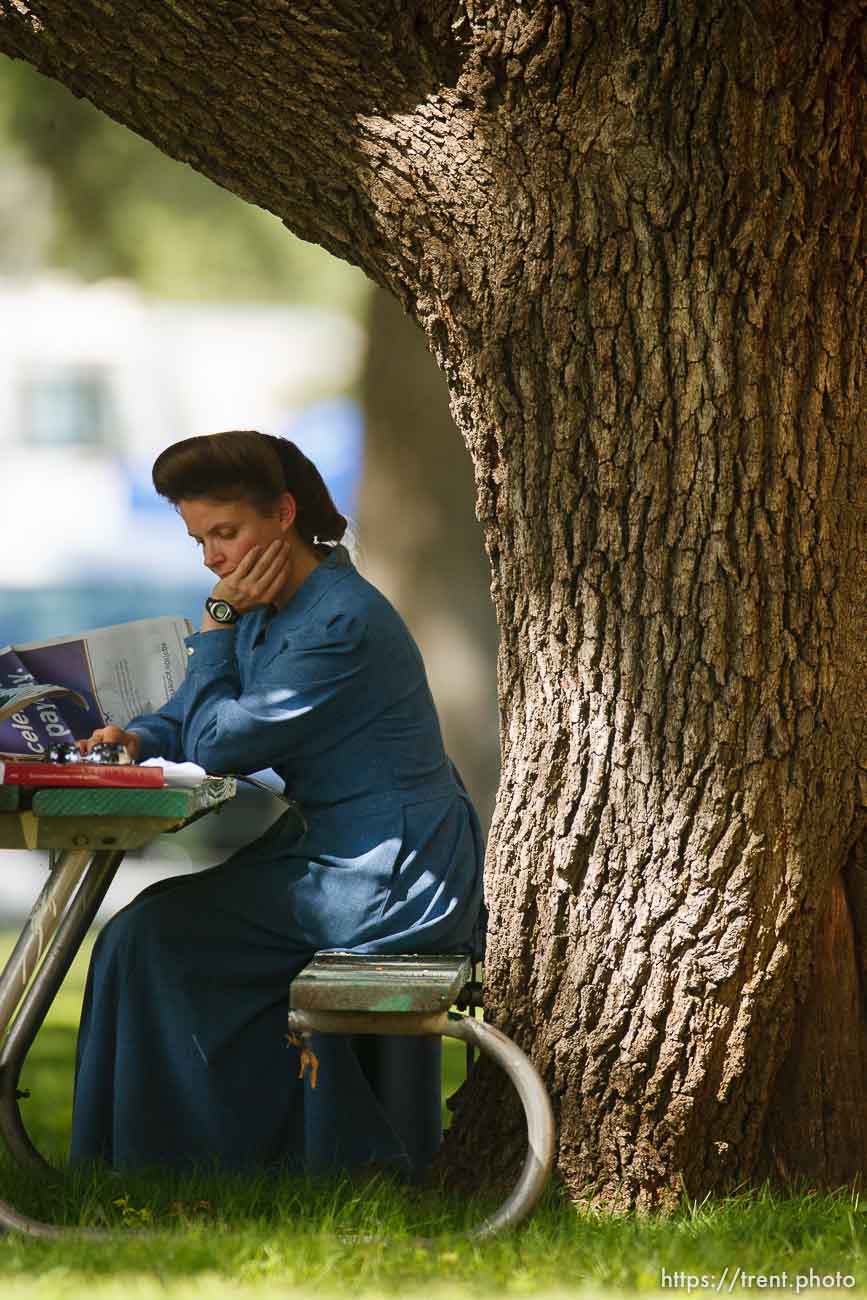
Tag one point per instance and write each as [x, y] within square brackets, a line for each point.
[256, 467]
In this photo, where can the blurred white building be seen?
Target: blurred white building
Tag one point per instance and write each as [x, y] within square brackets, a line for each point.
[95, 380]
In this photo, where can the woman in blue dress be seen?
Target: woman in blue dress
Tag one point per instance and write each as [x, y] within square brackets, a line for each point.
[303, 666]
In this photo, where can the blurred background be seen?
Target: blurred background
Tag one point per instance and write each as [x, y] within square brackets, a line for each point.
[140, 304]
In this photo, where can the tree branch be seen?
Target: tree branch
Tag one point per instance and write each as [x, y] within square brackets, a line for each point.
[308, 111]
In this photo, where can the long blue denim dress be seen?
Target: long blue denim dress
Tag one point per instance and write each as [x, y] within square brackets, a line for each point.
[182, 1054]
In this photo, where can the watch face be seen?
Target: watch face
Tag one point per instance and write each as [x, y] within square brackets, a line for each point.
[221, 611]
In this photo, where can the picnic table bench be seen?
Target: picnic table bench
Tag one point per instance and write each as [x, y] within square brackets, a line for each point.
[350, 993]
[87, 832]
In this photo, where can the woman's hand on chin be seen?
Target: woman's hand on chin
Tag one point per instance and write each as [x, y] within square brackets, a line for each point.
[258, 578]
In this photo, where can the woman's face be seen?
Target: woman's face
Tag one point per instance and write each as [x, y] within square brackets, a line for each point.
[226, 530]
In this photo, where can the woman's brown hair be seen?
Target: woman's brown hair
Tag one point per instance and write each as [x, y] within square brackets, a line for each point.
[242, 464]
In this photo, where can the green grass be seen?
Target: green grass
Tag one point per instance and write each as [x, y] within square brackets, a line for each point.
[222, 1236]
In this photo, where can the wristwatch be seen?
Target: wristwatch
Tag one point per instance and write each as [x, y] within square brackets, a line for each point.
[222, 612]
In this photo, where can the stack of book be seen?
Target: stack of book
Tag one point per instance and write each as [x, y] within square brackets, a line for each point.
[15, 770]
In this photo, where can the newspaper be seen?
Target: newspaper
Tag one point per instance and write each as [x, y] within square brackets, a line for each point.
[63, 689]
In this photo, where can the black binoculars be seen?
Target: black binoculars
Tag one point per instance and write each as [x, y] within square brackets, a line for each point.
[104, 751]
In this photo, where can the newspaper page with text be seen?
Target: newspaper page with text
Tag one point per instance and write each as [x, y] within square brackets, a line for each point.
[110, 674]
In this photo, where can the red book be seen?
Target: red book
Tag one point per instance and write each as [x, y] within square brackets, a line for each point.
[125, 775]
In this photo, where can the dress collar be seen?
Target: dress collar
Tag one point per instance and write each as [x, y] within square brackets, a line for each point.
[338, 556]
[330, 568]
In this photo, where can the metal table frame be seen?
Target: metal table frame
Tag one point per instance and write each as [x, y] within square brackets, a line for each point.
[52, 934]
[80, 873]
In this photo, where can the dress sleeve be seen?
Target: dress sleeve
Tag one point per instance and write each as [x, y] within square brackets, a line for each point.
[302, 700]
[160, 732]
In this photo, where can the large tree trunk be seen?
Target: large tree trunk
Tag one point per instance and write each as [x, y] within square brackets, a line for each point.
[633, 234]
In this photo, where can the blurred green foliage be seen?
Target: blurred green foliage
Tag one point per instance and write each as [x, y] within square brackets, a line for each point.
[81, 192]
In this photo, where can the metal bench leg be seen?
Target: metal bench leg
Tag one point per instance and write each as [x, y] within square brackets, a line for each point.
[525, 1077]
[539, 1116]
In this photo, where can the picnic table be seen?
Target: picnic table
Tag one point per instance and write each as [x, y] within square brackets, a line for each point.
[87, 832]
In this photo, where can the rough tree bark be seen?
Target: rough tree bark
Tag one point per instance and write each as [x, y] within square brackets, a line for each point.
[633, 233]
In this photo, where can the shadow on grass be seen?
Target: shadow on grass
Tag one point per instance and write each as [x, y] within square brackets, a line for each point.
[374, 1206]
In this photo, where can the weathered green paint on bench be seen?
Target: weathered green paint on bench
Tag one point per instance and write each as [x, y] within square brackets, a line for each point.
[9, 796]
[64, 802]
[103, 818]
[335, 981]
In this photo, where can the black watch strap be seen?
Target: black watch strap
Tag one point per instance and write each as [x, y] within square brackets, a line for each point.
[222, 612]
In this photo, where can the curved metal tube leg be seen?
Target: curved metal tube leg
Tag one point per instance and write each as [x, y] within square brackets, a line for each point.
[524, 1075]
[538, 1112]
[38, 931]
[43, 989]
[55, 931]
[10, 1219]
